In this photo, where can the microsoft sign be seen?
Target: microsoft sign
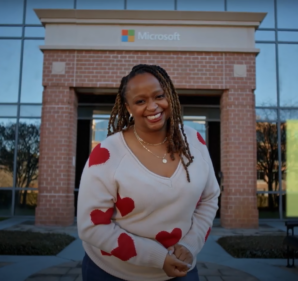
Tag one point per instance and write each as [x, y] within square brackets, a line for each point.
[130, 35]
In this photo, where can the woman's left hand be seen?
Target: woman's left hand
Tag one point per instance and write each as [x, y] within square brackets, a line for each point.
[181, 253]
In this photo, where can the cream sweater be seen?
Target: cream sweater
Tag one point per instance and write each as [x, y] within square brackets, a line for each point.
[128, 216]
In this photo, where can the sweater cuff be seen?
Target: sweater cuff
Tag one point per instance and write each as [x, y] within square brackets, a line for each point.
[158, 256]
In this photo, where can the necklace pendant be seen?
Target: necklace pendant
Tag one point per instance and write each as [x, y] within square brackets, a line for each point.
[165, 161]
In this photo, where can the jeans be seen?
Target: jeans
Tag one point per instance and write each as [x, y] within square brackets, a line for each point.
[91, 272]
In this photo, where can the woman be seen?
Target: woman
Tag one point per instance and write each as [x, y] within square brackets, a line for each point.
[148, 192]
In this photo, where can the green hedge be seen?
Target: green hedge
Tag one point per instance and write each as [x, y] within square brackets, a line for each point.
[32, 243]
[270, 247]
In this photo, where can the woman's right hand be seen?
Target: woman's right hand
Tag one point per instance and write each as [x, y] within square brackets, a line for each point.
[174, 267]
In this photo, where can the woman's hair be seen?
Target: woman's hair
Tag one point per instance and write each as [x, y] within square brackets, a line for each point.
[120, 117]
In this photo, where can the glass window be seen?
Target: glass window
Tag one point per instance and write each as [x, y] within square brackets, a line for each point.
[11, 11]
[267, 157]
[8, 110]
[266, 114]
[287, 13]
[266, 6]
[266, 91]
[150, 5]
[201, 5]
[28, 153]
[10, 55]
[25, 202]
[10, 31]
[31, 17]
[268, 205]
[100, 4]
[288, 36]
[201, 113]
[30, 111]
[5, 202]
[32, 72]
[199, 126]
[7, 149]
[94, 112]
[288, 114]
[99, 131]
[288, 73]
[265, 35]
[34, 32]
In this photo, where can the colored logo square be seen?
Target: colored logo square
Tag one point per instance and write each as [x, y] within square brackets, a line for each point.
[124, 38]
[127, 35]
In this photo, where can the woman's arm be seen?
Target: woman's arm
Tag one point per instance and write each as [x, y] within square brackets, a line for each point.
[205, 211]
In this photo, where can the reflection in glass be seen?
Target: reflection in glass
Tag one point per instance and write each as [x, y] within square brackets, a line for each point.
[266, 6]
[9, 31]
[32, 72]
[94, 112]
[201, 112]
[288, 73]
[150, 5]
[99, 131]
[10, 55]
[25, 202]
[28, 153]
[31, 17]
[5, 202]
[268, 205]
[201, 5]
[266, 91]
[288, 36]
[288, 114]
[267, 157]
[284, 206]
[30, 111]
[265, 35]
[8, 110]
[11, 11]
[7, 149]
[287, 13]
[199, 126]
[100, 4]
[34, 31]
[267, 114]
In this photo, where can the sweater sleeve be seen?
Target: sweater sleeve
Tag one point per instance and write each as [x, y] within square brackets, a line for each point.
[205, 211]
[98, 196]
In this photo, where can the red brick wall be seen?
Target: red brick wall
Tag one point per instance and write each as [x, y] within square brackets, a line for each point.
[188, 70]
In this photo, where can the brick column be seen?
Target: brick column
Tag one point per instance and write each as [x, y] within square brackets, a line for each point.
[57, 151]
[238, 159]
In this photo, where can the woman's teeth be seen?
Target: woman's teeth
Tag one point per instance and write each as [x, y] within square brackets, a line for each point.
[152, 117]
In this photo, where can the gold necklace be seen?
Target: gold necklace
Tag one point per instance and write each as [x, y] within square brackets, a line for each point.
[164, 160]
[147, 143]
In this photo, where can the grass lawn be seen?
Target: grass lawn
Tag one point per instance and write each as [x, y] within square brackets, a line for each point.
[265, 246]
[32, 243]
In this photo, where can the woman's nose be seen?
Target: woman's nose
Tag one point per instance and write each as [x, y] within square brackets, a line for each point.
[152, 106]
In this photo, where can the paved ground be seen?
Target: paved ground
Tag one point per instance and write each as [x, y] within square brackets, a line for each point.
[214, 264]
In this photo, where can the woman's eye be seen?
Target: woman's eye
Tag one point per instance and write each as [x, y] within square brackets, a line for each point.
[160, 96]
[139, 102]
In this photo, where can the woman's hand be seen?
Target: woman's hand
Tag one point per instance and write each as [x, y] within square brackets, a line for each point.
[181, 253]
[174, 267]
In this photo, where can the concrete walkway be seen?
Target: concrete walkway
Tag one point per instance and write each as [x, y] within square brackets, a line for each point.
[214, 264]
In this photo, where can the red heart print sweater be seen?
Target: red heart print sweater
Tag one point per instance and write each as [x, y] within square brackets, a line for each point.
[128, 216]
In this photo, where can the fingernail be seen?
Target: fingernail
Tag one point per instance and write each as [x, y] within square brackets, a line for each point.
[189, 265]
[170, 252]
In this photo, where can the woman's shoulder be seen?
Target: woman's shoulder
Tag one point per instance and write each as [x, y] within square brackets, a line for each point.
[193, 136]
[109, 152]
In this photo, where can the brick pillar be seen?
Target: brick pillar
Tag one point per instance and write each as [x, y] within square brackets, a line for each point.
[55, 204]
[238, 159]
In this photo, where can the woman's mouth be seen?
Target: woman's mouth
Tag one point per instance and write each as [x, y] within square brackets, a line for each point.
[154, 117]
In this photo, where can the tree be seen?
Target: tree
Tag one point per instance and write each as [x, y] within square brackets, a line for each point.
[267, 156]
[27, 153]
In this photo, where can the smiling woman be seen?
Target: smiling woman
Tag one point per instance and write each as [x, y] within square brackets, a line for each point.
[146, 188]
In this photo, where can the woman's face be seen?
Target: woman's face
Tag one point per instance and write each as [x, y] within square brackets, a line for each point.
[147, 102]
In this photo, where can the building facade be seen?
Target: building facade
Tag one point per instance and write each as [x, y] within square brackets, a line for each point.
[236, 85]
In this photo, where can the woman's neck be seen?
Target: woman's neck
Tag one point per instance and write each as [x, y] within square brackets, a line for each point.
[152, 137]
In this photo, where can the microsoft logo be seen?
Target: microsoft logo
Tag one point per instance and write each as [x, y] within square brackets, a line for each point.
[128, 35]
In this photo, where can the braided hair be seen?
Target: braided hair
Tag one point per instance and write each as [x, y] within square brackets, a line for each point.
[120, 118]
